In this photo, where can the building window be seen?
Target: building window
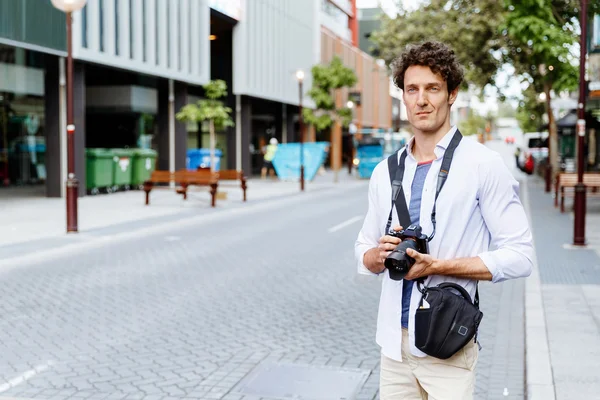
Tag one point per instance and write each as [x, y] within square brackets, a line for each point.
[156, 27]
[167, 41]
[179, 38]
[335, 13]
[131, 30]
[84, 42]
[144, 57]
[101, 30]
[117, 27]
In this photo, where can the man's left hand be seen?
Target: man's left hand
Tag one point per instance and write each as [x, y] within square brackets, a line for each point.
[422, 266]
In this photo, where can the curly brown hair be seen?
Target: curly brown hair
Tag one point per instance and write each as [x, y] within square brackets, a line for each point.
[435, 55]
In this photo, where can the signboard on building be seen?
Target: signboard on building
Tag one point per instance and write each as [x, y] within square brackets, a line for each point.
[231, 8]
[595, 42]
[593, 72]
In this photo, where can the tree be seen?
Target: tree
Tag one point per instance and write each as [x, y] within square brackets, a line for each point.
[530, 111]
[474, 124]
[540, 35]
[211, 110]
[473, 35]
[327, 79]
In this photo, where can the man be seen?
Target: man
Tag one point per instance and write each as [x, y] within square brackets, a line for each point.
[481, 228]
[268, 159]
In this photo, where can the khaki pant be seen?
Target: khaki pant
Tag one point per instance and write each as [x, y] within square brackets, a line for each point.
[429, 378]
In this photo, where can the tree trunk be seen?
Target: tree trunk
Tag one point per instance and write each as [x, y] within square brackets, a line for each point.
[553, 133]
[212, 145]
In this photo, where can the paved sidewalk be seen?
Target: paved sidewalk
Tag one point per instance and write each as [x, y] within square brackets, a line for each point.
[563, 304]
[32, 222]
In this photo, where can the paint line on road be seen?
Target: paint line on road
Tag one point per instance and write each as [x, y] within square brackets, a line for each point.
[345, 224]
[24, 377]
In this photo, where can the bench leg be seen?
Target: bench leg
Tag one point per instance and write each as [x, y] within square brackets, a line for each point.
[562, 199]
[213, 194]
[184, 191]
[556, 184]
[244, 189]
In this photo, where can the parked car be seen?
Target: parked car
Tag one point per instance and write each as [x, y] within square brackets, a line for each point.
[532, 149]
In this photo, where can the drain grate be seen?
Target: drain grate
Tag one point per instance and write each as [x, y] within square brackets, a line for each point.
[302, 382]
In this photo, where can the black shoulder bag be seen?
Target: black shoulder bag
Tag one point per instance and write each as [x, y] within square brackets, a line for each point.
[446, 319]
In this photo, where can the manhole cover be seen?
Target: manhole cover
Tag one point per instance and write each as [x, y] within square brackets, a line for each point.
[302, 382]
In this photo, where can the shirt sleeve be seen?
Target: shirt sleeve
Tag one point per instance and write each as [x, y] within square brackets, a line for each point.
[511, 240]
[369, 235]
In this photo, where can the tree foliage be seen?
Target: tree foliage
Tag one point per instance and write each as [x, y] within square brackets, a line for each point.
[327, 79]
[473, 35]
[209, 109]
[473, 124]
[530, 111]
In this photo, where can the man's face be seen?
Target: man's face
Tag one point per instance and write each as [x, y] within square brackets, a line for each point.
[427, 99]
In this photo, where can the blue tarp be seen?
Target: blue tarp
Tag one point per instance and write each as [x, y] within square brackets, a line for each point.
[287, 160]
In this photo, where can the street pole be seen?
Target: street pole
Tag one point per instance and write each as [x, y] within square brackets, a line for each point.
[301, 139]
[72, 182]
[580, 190]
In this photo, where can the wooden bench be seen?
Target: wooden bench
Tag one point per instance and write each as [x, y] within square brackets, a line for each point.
[184, 179]
[234, 175]
[565, 185]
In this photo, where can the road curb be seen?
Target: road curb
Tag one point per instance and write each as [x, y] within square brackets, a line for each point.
[538, 365]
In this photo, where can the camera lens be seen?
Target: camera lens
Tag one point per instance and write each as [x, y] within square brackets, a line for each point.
[398, 262]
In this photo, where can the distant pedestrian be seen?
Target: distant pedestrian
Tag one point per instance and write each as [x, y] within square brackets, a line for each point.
[475, 230]
[268, 159]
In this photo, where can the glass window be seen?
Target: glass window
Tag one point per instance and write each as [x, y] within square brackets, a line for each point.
[144, 57]
[117, 27]
[84, 24]
[101, 25]
[168, 41]
[131, 30]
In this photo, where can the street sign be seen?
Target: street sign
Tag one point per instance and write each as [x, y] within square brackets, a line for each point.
[581, 127]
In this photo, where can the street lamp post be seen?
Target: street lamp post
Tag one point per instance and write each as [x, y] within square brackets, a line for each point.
[350, 105]
[580, 191]
[300, 77]
[68, 7]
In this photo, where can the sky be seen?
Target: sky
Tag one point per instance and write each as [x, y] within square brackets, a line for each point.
[505, 77]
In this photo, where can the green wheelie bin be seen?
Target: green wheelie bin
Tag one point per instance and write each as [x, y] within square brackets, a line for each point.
[98, 170]
[144, 163]
[122, 160]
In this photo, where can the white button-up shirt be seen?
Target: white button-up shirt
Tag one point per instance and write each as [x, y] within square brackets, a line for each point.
[478, 213]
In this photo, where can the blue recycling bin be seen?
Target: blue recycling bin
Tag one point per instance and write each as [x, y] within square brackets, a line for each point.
[200, 158]
[369, 154]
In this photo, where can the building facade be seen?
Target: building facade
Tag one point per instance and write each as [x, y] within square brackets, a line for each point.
[138, 62]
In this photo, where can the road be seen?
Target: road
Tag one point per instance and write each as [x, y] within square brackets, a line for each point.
[228, 308]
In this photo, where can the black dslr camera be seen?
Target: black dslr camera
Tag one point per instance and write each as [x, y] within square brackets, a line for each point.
[398, 262]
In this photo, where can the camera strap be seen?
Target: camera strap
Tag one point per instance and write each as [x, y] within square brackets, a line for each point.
[396, 170]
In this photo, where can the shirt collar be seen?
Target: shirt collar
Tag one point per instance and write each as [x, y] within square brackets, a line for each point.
[440, 147]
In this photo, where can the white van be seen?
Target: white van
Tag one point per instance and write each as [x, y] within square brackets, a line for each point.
[534, 144]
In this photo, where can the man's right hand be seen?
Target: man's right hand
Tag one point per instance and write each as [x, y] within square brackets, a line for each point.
[375, 257]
